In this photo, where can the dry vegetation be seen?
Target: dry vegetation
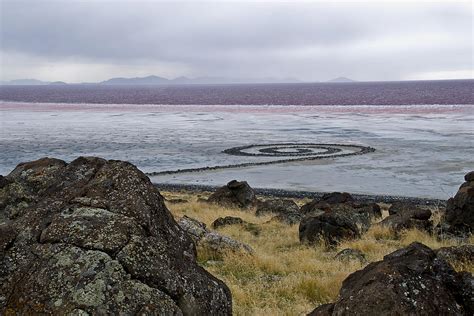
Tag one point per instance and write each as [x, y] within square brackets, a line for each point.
[284, 277]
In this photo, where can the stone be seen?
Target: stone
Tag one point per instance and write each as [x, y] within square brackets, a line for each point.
[315, 207]
[329, 228]
[457, 254]
[220, 244]
[234, 194]
[408, 216]
[194, 228]
[469, 177]
[210, 241]
[337, 198]
[409, 209]
[94, 237]
[349, 254]
[409, 281]
[459, 216]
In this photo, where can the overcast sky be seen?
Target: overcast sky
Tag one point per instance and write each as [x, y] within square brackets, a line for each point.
[77, 41]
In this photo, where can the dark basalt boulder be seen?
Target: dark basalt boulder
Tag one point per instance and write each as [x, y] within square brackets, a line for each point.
[235, 194]
[337, 198]
[409, 281]
[287, 211]
[407, 216]
[331, 228]
[94, 237]
[458, 219]
[407, 208]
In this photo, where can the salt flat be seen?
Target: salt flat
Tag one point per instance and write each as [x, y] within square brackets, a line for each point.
[420, 150]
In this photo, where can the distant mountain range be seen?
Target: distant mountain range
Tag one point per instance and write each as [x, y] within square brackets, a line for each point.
[156, 80]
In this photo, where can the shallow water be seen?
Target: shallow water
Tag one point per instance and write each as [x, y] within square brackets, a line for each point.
[420, 150]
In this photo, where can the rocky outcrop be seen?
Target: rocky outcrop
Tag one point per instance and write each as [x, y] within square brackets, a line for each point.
[209, 241]
[94, 237]
[234, 194]
[458, 219]
[286, 211]
[407, 216]
[409, 281]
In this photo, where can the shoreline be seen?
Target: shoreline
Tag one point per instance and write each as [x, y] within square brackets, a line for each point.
[372, 109]
[280, 193]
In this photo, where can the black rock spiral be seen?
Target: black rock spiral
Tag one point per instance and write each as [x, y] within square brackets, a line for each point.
[294, 151]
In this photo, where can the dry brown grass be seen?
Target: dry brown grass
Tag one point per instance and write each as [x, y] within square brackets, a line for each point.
[284, 277]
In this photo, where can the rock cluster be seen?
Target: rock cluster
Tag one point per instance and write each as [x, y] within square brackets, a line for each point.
[409, 281]
[336, 217]
[94, 237]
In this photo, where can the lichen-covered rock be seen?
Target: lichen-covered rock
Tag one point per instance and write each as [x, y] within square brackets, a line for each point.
[94, 237]
[210, 241]
[235, 194]
[459, 216]
[409, 281]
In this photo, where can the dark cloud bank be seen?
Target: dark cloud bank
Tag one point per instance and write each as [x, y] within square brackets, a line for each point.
[95, 40]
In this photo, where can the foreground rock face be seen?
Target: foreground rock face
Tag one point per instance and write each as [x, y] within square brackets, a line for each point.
[409, 281]
[459, 217]
[235, 193]
[94, 236]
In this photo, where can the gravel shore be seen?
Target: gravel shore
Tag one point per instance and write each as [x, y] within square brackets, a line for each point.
[304, 194]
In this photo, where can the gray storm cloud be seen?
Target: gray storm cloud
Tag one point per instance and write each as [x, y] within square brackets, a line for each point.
[95, 40]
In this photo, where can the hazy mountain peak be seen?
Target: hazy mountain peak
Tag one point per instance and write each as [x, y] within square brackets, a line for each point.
[341, 79]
